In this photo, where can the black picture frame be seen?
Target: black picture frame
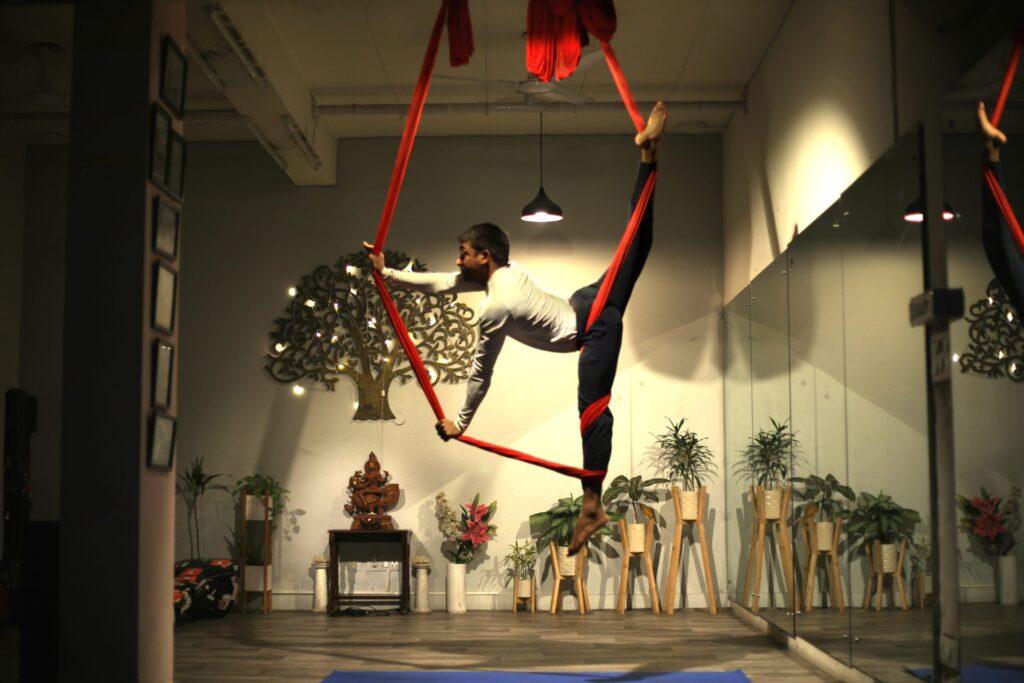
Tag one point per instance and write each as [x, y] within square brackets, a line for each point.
[173, 76]
[175, 184]
[163, 432]
[159, 141]
[163, 373]
[165, 295]
[166, 225]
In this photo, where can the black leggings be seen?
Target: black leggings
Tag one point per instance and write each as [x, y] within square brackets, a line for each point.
[1001, 248]
[602, 342]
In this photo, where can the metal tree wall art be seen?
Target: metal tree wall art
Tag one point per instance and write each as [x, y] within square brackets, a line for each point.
[996, 348]
[336, 326]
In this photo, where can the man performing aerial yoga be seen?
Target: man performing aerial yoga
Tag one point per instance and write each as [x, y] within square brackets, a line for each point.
[516, 307]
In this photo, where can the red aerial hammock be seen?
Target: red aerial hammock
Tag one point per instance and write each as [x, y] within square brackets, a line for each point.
[997, 113]
[599, 17]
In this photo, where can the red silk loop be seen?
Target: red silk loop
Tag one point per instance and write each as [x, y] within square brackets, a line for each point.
[991, 181]
[555, 17]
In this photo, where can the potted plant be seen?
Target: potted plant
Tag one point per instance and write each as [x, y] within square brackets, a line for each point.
[880, 519]
[823, 498]
[626, 493]
[252, 493]
[192, 485]
[519, 563]
[556, 524]
[463, 536]
[767, 462]
[681, 455]
[921, 566]
[994, 529]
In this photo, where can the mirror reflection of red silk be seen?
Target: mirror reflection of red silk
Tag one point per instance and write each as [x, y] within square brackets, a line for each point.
[997, 113]
[545, 36]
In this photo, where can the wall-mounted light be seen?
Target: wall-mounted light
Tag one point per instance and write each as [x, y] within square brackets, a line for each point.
[542, 209]
[914, 213]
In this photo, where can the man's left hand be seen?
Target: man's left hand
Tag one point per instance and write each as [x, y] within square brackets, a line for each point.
[446, 429]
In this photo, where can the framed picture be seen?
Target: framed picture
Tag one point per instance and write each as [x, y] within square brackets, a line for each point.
[163, 369]
[161, 441]
[176, 165]
[173, 71]
[165, 290]
[159, 139]
[166, 219]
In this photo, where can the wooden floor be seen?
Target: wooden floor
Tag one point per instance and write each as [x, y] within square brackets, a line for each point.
[301, 646]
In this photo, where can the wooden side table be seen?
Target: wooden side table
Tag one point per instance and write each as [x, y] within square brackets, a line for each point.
[339, 537]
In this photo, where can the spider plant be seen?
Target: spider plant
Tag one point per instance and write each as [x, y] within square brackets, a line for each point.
[769, 457]
[192, 485]
[681, 455]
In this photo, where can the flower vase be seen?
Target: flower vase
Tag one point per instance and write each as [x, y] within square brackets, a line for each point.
[1008, 588]
[320, 586]
[455, 588]
[422, 605]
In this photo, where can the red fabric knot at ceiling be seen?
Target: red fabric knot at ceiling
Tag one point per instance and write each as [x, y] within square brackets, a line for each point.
[997, 113]
[566, 22]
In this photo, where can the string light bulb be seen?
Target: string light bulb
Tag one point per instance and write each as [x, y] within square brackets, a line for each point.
[298, 390]
[292, 291]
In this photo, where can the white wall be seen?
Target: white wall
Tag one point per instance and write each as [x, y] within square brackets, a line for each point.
[249, 234]
[819, 113]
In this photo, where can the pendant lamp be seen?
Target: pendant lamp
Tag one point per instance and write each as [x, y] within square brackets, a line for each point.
[541, 209]
[914, 212]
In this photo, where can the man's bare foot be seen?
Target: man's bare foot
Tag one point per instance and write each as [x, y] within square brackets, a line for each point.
[592, 517]
[993, 137]
[655, 126]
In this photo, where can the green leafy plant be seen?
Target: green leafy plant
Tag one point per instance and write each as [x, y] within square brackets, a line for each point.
[822, 494]
[680, 454]
[520, 559]
[558, 522]
[879, 518]
[192, 485]
[770, 456]
[992, 526]
[921, 554]
[261, 485]
[624, 492]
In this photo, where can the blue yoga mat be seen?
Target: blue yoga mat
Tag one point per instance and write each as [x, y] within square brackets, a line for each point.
[980, 674]
[537, 677]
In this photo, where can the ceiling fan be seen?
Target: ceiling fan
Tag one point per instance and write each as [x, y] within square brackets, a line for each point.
[533, 90]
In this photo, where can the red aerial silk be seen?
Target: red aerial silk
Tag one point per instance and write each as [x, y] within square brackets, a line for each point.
[548, 33]
[997, 113]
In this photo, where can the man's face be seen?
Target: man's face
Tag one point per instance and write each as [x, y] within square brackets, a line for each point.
[473, 263]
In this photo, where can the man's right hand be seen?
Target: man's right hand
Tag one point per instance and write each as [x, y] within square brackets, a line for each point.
[993, 137]
[377, 260]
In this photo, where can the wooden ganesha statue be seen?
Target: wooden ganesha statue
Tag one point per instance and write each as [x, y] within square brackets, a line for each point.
[372, 497]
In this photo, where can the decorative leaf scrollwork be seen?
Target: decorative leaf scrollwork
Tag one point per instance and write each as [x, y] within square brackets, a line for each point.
[336, 326]
[996, 348]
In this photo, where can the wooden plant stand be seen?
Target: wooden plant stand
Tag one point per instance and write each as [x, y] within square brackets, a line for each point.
[755, 556]
[620, 604]
[579, 581]
[267, 602]
[531, 601]
[835, 577]
[876, 577]
[669, 599]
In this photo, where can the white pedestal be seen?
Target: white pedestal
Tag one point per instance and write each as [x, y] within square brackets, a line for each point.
[320, 588]
[422, 603]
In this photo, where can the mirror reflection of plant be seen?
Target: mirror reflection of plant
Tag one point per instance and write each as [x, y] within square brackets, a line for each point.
[822, 494]
[681, 455]
[994, 528]
[558, 522]
[879, 518]
[624, 492]
[520, 559]
[770, 457]
[192, 485]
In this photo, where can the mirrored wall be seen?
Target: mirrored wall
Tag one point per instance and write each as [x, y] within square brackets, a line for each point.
[826, 429]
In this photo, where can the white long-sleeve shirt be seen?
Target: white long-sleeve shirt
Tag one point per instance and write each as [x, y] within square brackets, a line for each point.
[514, 307]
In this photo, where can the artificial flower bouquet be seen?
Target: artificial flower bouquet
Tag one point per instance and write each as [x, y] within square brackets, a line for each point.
[462, 537]
[992, 520]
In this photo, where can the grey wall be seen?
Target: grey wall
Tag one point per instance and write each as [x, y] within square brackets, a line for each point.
[250, 234]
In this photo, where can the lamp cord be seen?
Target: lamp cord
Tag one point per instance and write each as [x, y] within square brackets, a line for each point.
[542, 149]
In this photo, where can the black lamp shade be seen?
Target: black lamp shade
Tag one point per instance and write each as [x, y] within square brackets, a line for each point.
[542, 209]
